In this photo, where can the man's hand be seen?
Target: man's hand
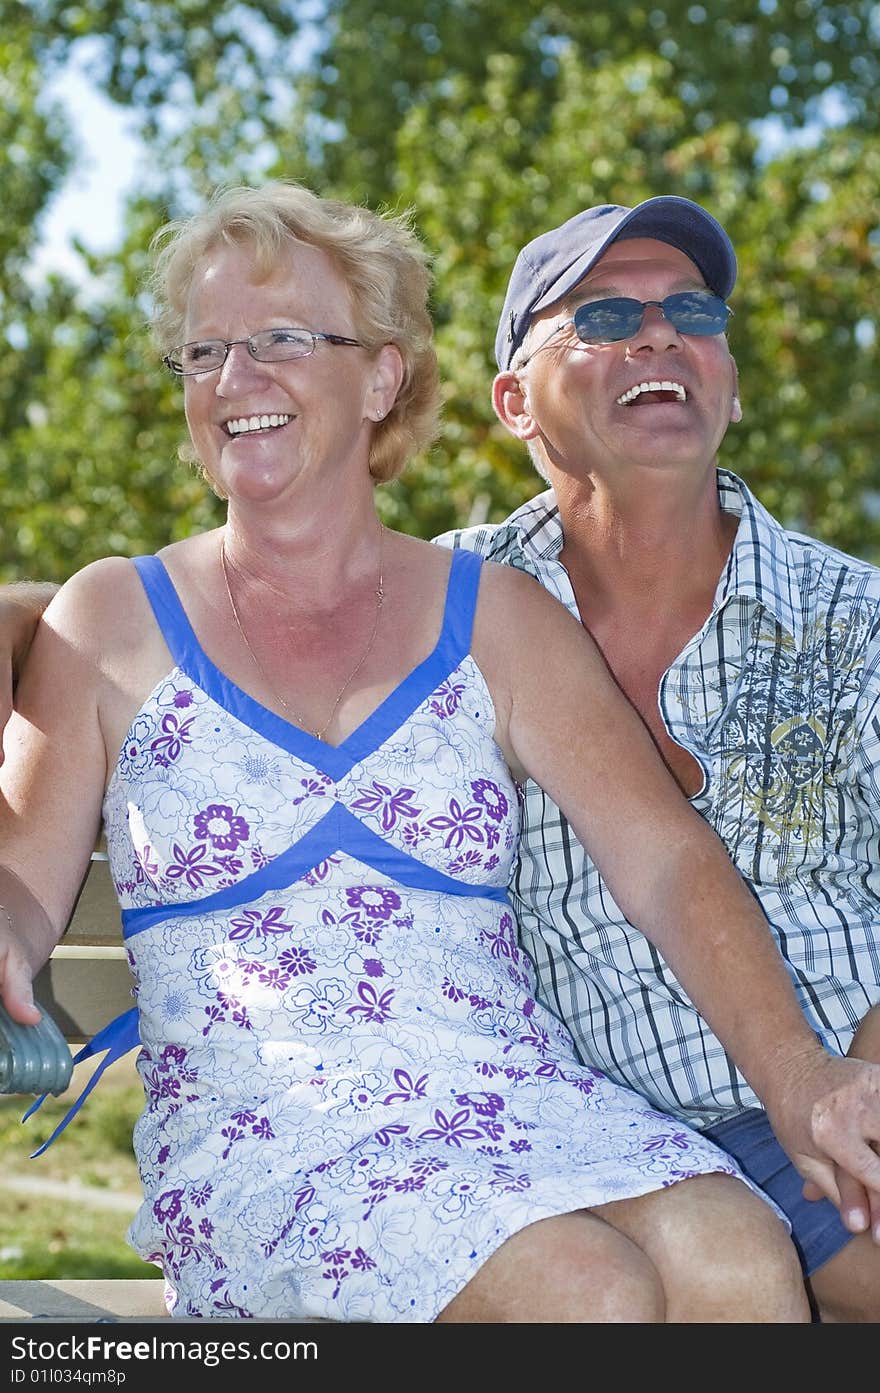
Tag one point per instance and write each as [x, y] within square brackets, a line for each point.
[854, 1198]
[21, 606]
[827, 1119]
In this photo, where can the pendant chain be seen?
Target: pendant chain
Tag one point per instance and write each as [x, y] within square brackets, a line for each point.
[298, 720]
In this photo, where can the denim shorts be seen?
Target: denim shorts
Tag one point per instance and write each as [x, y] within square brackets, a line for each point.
[816, 1226]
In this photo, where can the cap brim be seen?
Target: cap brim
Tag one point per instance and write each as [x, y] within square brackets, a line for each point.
[672, 220]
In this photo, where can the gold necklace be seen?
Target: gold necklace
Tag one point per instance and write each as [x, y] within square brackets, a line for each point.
[298, 720]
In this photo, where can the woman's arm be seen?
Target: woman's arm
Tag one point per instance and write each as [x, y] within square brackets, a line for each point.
[563, 721]
[55, 769]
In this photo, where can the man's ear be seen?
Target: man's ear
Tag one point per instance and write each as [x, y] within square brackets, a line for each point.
[736, 411]
[510, 398]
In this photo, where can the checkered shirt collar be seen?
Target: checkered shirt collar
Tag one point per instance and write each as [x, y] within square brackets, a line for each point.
[761, 562]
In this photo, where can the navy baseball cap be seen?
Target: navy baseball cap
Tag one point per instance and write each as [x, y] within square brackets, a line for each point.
[553, 264]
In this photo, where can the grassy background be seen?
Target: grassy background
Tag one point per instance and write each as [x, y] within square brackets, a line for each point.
[65, 1213]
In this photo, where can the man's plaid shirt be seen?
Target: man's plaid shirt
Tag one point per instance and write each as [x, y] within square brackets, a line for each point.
[778, 698]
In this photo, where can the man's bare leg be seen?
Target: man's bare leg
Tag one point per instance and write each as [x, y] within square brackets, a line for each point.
[846, 1289]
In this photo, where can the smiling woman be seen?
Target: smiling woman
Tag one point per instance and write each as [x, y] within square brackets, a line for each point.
[315, 728]
[315, 403]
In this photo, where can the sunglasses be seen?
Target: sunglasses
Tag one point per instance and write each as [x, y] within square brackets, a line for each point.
[689, 312]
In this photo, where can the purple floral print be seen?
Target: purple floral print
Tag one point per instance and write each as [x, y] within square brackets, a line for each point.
[374, 900]
[460, 823]
[389, 804]
[218, 824]
[491, 797]
[175, 735]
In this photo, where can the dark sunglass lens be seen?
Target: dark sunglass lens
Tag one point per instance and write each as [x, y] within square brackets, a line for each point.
[607, 321]
[696, 313]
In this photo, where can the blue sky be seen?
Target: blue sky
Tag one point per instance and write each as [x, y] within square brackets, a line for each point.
[109, 156]
[90, 203]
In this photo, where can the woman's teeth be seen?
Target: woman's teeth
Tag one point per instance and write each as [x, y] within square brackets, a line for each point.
[243, 424]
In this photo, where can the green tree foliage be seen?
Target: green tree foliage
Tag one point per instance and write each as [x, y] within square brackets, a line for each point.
[492, 120]
[93, 472]
[727, 60]
[809, 302]
[155, 54]
[33, 150]
[806, 229]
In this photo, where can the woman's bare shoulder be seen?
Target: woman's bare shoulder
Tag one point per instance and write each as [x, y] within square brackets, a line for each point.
[101, 610]
[106, 583]
[516, 596]
[112, 584]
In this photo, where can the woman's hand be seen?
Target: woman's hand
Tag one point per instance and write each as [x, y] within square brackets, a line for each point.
[26, 940]
[16, 982]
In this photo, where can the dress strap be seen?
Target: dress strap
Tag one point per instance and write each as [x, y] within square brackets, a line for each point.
[170, 615]
[461, 602]
[458, 615]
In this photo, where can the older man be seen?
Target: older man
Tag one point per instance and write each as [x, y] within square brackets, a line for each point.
[752, 654]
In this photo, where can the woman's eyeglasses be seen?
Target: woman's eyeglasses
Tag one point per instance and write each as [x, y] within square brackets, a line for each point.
[268, 346]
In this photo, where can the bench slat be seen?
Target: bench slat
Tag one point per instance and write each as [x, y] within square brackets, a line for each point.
[95, 918]
[84, 994]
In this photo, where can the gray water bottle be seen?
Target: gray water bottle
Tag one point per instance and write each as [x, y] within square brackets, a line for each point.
[33, 1058]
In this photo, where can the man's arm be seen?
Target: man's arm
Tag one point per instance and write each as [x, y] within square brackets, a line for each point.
[561, 718]
[21, 606]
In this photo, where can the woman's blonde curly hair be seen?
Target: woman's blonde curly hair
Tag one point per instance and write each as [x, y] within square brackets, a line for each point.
[378, 255]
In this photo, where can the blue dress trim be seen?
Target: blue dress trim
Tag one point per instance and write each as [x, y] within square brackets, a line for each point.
[118, 1038]
[452, 646]
[338, 830]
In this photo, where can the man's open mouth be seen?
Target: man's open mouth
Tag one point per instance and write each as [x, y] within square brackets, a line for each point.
[653, 391]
